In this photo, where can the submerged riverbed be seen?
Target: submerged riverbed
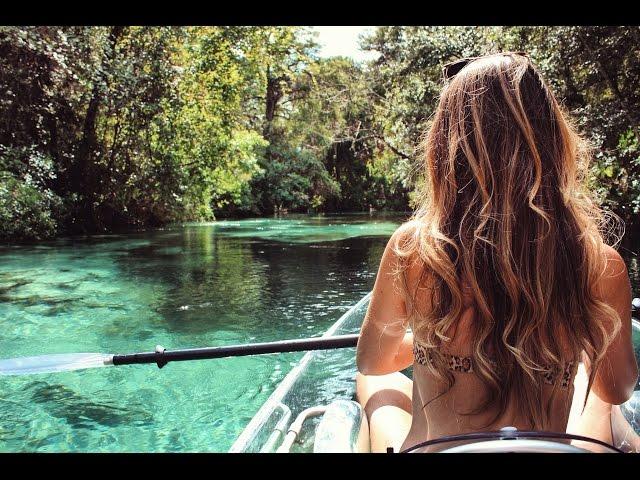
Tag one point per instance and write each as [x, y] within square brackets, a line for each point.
[195, 285]
[203, 284]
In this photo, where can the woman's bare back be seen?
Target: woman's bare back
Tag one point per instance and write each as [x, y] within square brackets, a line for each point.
[437, 410]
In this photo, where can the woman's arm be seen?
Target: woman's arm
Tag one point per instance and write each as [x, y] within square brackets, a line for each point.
[385, 346]
[617, 374]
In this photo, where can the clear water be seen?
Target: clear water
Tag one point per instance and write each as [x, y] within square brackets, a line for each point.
[197, 285]
[203, 284]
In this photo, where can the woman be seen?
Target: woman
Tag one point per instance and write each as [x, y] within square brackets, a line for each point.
[501, 283]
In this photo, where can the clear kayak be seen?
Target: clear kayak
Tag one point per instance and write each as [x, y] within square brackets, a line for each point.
[313, 409]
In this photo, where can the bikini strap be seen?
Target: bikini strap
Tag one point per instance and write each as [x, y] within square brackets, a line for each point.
[455, 363]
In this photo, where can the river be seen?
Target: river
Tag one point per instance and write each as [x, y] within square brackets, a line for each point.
[193, 285]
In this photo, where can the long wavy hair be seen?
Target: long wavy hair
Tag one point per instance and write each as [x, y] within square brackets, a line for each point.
[506, 212]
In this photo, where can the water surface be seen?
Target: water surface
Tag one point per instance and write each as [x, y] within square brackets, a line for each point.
[194, 285]
[222, 283]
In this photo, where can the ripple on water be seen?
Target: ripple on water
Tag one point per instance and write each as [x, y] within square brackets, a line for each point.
[290, 279]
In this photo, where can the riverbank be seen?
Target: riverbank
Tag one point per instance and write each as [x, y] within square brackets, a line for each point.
[125, 230]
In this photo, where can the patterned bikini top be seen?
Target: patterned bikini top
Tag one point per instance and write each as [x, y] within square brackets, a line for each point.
[550, 373]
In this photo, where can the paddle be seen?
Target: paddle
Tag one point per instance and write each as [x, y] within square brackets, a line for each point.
[65, 362]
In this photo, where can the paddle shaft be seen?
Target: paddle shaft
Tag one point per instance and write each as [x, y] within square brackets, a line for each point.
[161, 356]
[80, 361]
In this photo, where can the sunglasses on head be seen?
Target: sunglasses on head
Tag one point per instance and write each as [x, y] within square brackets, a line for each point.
[451, 69]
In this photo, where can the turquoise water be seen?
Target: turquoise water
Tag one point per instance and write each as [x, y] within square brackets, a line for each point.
[197, 285]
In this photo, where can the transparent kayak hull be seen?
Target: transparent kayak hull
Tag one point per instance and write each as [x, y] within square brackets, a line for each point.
[326, 376]
[318, 379]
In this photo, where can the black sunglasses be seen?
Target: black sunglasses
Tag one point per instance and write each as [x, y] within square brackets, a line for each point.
[451, 69]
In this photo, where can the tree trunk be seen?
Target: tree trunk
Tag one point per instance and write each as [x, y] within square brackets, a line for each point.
[83, 179]
[273, 96]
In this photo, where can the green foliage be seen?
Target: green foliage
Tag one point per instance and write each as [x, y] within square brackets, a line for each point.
[292, 179]
[28, 209]
[26, 212]
[231, 183]
[595, 72]
[110, 127]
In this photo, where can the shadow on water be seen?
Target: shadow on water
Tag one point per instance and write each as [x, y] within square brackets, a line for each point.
[4, 289]
[31, 300]
[220, 278]
[81, 412]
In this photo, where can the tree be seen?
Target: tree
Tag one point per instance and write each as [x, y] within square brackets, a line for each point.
[105, 127]
[594, 71]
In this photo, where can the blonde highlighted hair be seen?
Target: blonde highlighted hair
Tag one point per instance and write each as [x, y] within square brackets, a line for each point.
[505, 212]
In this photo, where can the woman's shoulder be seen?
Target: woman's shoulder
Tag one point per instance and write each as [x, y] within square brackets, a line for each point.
[615, 262]
[404, 247]
[614, 280]
[404, 244]
[405, 234]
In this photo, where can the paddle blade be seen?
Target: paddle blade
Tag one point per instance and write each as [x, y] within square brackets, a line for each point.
[62, 362]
